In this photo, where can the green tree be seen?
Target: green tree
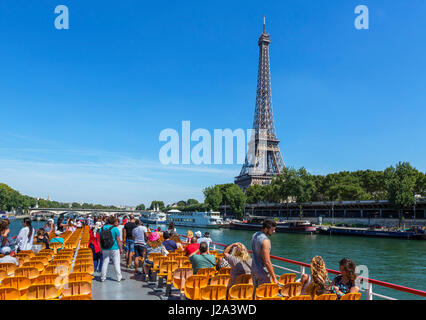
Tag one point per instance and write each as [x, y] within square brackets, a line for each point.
[256, 194]
[181, 203]
[213, 197]
[76, 205]
[190, 202]
[420, 187]
[400, 184]
[140, 207]
[156, 203]
[233, 196]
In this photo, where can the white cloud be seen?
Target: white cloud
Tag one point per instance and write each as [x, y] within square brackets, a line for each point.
[115, 179]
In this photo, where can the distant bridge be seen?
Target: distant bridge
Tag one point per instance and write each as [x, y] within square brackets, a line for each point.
[83, 212]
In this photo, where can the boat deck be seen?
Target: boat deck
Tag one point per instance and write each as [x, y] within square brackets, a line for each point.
[132, 288]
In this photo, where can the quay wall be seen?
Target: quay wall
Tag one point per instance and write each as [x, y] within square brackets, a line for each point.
[365, 221]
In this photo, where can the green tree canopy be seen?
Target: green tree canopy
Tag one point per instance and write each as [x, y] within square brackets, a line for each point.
[140, 207]
[213, 197]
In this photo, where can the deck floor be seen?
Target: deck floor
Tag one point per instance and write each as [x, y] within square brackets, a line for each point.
[133, 288]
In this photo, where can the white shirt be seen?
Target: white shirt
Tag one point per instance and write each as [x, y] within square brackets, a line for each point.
[22, 241]
[120, 229]
[9, 259]
[139, 234]
[208, 240]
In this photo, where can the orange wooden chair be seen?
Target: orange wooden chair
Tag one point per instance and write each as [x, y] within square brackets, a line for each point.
[208, 272]
[221, 279]
[19, 283]
[58, 270]
[9, 268]
[35, 264]
[3, 274]
[266, 290]
[181, 260]
[54, 279]
[326, 296]
[43, 292]
[80, 276]
[77, 288]
[287, 278]
[351, 296]
[42, 259]
[60, 262]
[214, 292]
[166, 270]
[78, 297]
[273, 298]
[28, 272]
[26, 252]
[225, 271]
[22, 259]
[193, 286]
[85, 268]
[301, 297]
[179, 277]
[292, 289]
[9, 294]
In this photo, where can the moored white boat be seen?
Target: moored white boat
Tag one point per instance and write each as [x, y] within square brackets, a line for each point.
[153, 217]
[195, 219]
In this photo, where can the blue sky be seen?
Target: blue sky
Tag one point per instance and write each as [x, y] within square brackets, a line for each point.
[81, 109]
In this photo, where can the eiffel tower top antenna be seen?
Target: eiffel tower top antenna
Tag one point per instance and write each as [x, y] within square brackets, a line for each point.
[264, 24]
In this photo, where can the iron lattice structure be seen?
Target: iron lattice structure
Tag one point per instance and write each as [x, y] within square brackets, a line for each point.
[264, 159]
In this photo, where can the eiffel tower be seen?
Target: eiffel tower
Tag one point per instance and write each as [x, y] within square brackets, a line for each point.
[263, 160]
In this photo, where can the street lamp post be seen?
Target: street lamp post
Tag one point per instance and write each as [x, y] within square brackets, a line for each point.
[414, 209]
[332, 211]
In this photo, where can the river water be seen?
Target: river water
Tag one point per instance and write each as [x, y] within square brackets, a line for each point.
[397, 261]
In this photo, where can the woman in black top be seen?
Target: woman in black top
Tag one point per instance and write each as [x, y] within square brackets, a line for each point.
[42, 237]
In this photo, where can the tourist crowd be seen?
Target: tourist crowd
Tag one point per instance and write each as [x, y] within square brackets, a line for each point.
[115, 238]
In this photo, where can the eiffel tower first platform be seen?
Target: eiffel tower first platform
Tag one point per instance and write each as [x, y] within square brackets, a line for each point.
[263, 160]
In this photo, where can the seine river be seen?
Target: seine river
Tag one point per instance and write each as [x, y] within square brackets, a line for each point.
[397, 261]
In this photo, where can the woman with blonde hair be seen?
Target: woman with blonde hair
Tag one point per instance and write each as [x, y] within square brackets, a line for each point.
[238, 258]
[318, 282]
[189, 236]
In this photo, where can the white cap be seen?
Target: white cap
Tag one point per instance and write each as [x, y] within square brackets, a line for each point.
[5, 250]
[198, 234]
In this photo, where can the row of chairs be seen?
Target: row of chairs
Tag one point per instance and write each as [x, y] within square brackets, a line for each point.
[198, 287]
[47, 274]
[212, 284]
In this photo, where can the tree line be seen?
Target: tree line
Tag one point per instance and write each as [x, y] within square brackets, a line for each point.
[398, 185]
[11, 199]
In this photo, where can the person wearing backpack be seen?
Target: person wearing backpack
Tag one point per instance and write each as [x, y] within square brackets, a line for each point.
[109, 238]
